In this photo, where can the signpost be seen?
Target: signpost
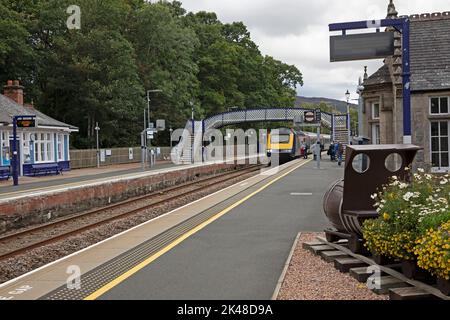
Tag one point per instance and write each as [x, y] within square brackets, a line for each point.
[346, 49]
[312, 119]
[19, 122]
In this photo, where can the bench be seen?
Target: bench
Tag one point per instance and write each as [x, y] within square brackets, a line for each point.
[5, 172]
[45, 169]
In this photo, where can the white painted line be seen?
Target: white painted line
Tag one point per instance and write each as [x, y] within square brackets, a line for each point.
[300, 194]
[244, 184]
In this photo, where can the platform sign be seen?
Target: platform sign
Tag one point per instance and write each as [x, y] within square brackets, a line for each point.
[161, 125]
[363, 46]
[26, 122]
[310, 117]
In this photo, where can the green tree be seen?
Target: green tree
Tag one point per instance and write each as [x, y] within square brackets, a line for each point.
[17, 58]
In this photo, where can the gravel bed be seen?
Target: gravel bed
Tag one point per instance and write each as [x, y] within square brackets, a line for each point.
[311, 278]
[21, 264]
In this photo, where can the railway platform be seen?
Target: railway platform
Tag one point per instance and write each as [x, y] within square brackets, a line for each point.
[232, 244]
[29, 185]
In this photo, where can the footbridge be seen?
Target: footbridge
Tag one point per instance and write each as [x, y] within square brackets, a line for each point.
[337, 123]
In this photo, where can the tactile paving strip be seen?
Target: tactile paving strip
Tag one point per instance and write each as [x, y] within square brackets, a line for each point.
[102, 275]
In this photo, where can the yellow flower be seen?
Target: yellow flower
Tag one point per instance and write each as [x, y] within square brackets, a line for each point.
[386, 216]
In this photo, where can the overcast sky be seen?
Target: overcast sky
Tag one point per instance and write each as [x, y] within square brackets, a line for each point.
[296, 32]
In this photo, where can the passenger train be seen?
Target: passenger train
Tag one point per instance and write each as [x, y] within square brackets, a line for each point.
[287, 143]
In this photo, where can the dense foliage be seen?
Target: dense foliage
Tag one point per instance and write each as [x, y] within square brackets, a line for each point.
[101, 72]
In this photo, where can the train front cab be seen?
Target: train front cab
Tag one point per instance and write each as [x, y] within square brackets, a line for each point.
[281, 144]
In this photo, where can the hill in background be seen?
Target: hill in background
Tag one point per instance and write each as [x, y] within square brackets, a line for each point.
[341, 106]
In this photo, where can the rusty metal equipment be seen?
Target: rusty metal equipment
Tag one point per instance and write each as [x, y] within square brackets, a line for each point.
[348, 202]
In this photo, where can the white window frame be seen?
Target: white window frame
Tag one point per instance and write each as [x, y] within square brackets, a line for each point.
[60, 146]
[41, 151]
[376, 136]
[25, 146]
[373, 110]
[439, 169]
[5, 144]
[440, 113]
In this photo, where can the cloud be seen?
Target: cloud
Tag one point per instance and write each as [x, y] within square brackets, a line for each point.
[296, 32]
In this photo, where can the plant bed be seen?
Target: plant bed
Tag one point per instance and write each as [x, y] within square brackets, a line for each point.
[382, 260]
[443, 285]
[411, 270]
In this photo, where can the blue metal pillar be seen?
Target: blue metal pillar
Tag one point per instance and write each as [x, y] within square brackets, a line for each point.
[407, 139]
[14, 162]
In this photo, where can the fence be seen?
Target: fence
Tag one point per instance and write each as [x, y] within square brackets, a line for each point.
[88, 158]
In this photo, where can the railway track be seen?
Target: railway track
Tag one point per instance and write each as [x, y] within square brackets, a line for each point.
[23, 241]
[383, 279]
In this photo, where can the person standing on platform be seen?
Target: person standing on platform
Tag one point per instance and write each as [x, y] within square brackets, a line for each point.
[331, 152]
[340, 153]
[304, 151]
[336, 150]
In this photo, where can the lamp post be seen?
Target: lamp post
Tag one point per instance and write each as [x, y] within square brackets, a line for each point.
[171, 131]
[192, 110]
[148, 102]
[360, 109]
[147, 124]
[97, 129]
[347, 96]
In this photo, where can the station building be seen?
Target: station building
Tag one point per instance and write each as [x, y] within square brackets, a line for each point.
[430, 92]
[47, 143]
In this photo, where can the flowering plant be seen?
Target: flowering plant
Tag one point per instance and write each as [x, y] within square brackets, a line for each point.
[405, 209]
[433, 251]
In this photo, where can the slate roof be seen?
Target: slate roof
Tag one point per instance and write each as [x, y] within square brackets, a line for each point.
[9, 109]
[382, 76]
[430, 54]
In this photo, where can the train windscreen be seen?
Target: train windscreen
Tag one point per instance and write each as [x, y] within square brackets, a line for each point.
[280, 138]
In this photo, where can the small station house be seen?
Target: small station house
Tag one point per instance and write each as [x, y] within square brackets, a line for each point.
[45, 144]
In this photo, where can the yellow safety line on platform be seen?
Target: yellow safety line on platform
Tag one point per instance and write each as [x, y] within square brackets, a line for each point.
[176, 242]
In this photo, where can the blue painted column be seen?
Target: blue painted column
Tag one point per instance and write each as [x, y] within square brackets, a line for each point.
[14, 162]
[407, 132]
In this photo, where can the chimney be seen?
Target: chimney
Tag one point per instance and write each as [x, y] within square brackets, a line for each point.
[14, 91]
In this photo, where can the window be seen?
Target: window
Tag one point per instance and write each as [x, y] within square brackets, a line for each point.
[375, 111]
[439, 105]
[5, 146]
[26, 147]
[440, 145]
[60, 147]
[280, 139]
[376, 134]
[43, 148]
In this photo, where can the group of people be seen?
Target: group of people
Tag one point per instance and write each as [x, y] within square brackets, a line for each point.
[304, 149]
[336, 152]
